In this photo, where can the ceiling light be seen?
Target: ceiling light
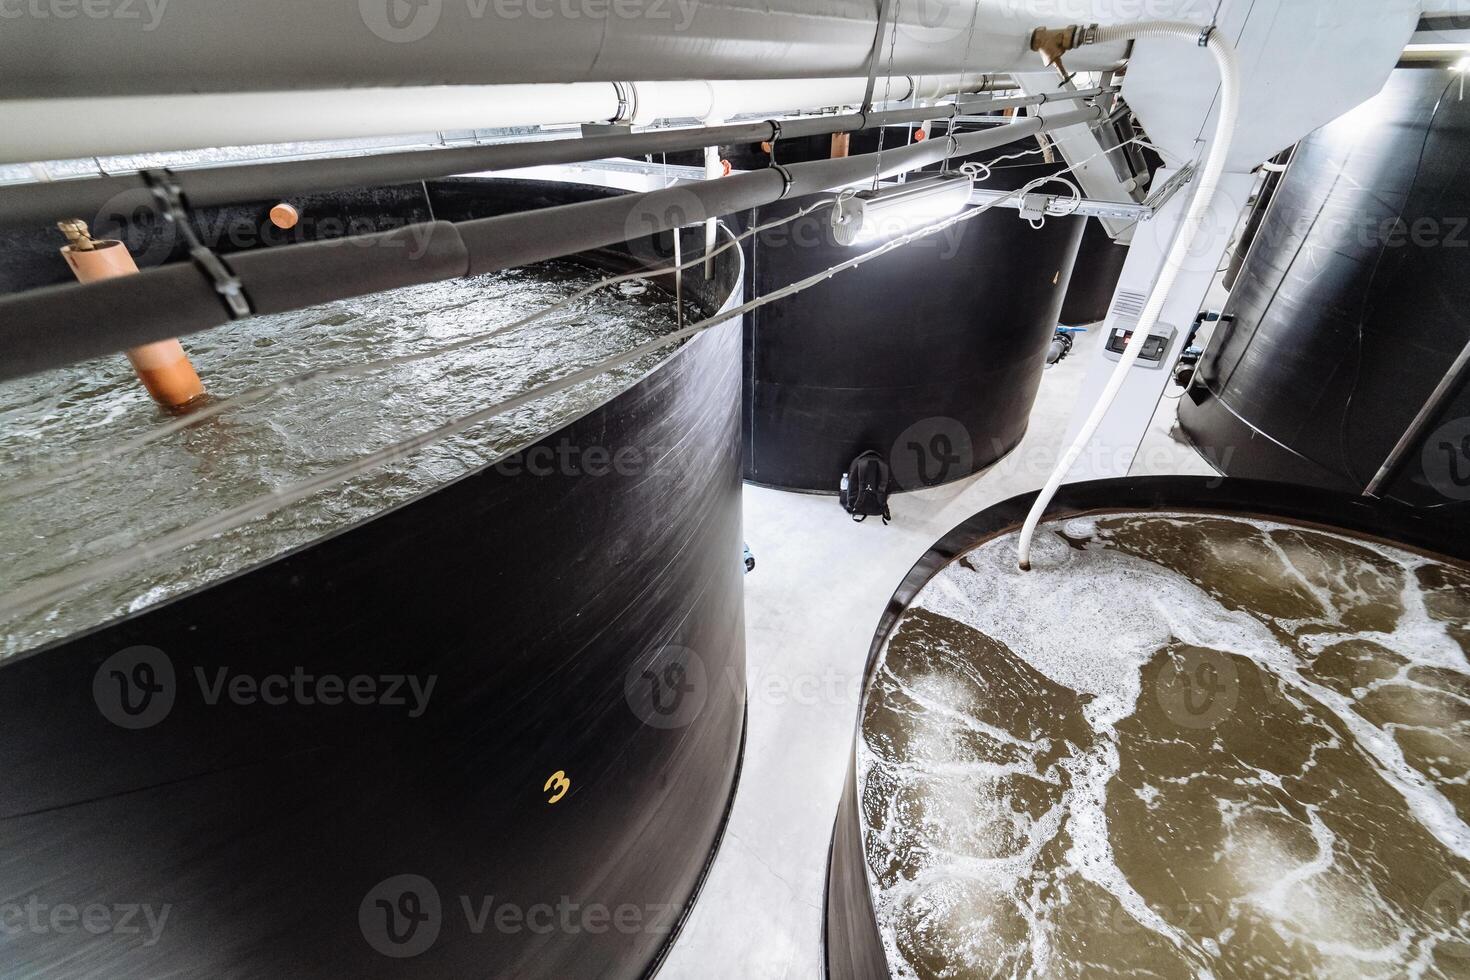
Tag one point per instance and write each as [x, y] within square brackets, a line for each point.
[874, 216]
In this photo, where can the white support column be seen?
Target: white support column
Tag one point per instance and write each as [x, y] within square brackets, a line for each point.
[1116, 443]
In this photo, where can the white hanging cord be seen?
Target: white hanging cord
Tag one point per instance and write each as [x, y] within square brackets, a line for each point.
[1204, 197]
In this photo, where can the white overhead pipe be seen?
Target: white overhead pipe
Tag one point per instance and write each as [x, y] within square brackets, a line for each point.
[161, 48]
[725, 100]
[1199, 206]
[63, 129]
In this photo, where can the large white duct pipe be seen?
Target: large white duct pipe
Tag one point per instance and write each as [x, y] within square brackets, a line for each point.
[61, 129]
[730, 100]
[154, 47]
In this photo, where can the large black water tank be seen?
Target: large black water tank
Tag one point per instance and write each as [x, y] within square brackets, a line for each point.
[928, 844]
[1095, 277]
[1352, 306]
[931, 354]
[554, 807]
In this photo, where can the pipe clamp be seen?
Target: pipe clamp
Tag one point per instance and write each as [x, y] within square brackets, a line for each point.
[786, 179]
[170, 201]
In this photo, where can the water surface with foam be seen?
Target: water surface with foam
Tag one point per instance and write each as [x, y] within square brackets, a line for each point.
[254, 449]
[1183, 745]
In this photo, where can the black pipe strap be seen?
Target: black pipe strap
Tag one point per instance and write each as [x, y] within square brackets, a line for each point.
[170, 203]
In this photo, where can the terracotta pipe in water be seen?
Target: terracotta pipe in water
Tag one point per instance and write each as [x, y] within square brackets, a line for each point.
[163, 367]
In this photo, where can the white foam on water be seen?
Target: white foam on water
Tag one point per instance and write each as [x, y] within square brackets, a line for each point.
[1090, 620]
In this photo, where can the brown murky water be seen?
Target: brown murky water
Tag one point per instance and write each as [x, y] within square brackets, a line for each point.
[255, 449]
[1183, 746]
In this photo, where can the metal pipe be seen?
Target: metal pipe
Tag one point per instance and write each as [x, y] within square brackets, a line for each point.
[64, 129]
[23, 204]
[177, 299]
[60, 129]
[1453, 380]
[160, 48]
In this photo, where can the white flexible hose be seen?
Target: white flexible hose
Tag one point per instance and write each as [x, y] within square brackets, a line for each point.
[1199, 207]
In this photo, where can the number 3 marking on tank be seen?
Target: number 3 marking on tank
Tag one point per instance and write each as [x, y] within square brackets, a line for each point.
[560, 782]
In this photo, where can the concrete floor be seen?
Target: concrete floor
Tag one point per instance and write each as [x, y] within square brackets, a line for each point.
[812, 604]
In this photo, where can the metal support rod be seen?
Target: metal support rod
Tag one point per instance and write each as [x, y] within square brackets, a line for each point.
[41, 326]
[46, 203]
[678, 280]
[1452, 381]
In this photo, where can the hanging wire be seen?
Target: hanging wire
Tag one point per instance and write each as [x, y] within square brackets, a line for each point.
[887, 90]
[959, 86]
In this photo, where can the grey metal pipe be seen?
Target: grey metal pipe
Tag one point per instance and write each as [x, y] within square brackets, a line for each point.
[40, 329]
[154, 47]
[1454, 379]
[29, 204]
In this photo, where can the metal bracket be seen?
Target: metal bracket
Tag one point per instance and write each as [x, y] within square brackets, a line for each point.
[170, 201]
[1036, 205]
[876, 53]
[786, 179]
[1161, 196]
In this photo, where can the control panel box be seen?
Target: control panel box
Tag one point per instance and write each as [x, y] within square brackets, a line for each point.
[1156, 349]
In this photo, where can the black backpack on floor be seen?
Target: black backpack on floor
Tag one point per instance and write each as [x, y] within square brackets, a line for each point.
[864, 491]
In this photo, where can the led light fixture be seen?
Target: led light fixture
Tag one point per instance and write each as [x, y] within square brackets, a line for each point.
[876, 216]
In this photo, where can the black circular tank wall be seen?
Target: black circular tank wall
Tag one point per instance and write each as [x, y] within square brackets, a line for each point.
[1351, 307]
[964, 707]
[529, 809]
[931, 354]
[1095, 277]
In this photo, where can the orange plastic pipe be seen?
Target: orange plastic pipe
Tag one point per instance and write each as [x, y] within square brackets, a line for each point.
[163, 367]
